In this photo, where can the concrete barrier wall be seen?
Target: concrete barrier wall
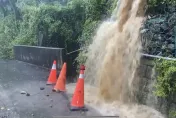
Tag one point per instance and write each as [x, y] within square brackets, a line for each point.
[41, 56]
[86, 117]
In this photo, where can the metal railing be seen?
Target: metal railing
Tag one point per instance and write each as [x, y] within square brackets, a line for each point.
[85, 116]
[159, 57]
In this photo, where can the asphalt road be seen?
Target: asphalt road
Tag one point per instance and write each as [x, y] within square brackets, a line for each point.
[17, 76]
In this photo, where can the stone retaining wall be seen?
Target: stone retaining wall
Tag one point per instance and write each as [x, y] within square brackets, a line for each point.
[146, 96]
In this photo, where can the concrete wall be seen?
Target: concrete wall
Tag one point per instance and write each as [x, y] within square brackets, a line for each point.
[41, 56]
[147, 75]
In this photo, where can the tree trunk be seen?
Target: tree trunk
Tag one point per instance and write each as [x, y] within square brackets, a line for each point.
[15, 9]
[3, 10]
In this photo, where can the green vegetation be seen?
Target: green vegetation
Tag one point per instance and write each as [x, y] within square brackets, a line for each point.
[67, 24]
[160, 6]
[54, 23]
[172, 114]
[154, 3]
[70, 24]
[165, 86]
[166, 71]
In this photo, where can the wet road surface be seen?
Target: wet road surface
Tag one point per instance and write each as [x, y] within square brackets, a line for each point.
[18, 76]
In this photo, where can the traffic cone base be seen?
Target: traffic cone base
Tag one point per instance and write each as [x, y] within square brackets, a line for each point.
[78, 108]
[50, 83]
[56, 90]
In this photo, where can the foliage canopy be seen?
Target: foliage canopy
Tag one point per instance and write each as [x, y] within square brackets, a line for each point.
[166, 70]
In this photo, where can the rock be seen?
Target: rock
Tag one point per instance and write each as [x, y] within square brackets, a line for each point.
[27, 94]
[171, 46]
[2, 108]
[149, 17]
[155, 37]
[163, 27]
[51, 106]
[47, 95]
[23, 92]
[51, 100]
[144, 30]
[156, 20]
[159, 37]
[82, 112]
[32, 114]
[42, 88]
[149, 72]
[169, 40]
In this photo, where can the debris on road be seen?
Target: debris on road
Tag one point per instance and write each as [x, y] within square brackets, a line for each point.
[42, 88]
[82, 112]
[27, 94]
[47, 95]
[2, 108]
[23, 92]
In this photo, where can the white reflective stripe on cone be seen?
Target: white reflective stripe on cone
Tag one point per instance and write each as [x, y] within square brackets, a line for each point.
[54, 66]
[81, 76]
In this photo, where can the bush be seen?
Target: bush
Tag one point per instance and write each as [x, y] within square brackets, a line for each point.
[153, 3]
[166, 82]
[68, 25]
[172, 114]
[161, 6]
[52, 25]
[8, 32]
[96, 11]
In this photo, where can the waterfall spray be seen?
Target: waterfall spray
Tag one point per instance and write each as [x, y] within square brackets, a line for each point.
[113, 58]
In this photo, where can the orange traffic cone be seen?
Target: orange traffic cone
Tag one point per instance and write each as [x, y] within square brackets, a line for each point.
[52, 77]
[60, 85]
[77, 102]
